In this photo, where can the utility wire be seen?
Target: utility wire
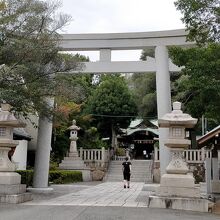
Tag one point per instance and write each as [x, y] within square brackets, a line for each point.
[122, 116]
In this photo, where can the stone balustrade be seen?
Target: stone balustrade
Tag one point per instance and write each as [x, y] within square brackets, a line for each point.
[95, 157]
[191, 155]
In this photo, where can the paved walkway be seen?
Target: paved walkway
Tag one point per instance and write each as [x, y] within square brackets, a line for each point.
[104, 194]
[95, 201]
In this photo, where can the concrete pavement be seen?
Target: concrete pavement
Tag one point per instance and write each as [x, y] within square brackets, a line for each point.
[95, 201]
[105, 194]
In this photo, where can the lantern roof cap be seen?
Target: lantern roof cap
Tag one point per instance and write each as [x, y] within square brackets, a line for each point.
[177, 118]
[7, 118]
[73, 126]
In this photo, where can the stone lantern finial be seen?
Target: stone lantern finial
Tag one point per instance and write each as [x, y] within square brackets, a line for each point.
[177, 106]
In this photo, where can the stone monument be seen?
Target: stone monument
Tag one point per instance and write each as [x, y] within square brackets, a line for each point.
[11, 191]
[73, 161]
[177, 186]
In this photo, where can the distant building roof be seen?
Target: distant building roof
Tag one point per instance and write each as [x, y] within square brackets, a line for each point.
[21, 134]
[135, 123]
[154, 122]
[209, 135]
[131, 131]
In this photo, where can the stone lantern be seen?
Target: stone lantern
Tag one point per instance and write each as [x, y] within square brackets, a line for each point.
[7, 123]
[11, 191]
[73, 137]
[177, 189]
[177, 181]
[73, 161]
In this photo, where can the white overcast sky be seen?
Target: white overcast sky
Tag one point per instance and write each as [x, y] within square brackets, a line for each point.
[112, 16]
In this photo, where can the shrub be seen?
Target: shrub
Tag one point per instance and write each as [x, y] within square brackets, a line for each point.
[199, 173]
[120, 152]
[26, 176]
[55, 176]
[65, 176]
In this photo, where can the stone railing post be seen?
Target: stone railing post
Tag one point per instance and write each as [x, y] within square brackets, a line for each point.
[156, 154]
[203, 154]
[103, 156]
[81, 153]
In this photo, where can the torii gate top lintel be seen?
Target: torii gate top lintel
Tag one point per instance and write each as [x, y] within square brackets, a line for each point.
[123, 41]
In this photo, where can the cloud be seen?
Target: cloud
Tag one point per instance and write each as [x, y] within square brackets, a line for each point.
[96, 16]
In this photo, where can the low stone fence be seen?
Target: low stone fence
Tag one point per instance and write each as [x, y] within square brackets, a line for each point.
[193, 156]
[95, 157]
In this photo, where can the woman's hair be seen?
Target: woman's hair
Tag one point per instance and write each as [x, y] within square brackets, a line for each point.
[126, 158]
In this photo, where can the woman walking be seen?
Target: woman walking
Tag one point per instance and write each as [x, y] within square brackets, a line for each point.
[126, 168]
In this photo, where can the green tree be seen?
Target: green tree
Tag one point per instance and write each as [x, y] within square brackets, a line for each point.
[202, 19]
[110, 104]
[73, 87]
[199, 85]
[29, 53]
[143, 87]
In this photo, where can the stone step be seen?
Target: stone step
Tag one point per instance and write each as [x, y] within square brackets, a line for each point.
[132, 162]
[132, 180]
[132, 167]
[18, 198]
[133, 177]
[120, 174]
[6, 189]
[141, 171]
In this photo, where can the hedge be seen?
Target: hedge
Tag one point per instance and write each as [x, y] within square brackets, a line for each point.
[55, 176]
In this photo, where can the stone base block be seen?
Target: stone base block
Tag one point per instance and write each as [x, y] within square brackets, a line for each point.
[177, 180]
[190, 204]
[46, 190]
[19, 198]
[69, 163]
[189, 192]
[150, 187]
[12, 189]
[86, 174]
[73, 154]
[10, 178]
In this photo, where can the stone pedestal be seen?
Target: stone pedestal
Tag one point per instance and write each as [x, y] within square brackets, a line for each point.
[178, 186]
[76, 163]
[70, 163]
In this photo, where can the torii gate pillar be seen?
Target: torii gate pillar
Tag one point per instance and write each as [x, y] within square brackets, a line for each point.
[163, 100]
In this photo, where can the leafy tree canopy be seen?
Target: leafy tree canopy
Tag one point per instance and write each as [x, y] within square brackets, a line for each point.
[199, 86]
[143, 87]
[111, 102]
[202, 19]
[29, 53]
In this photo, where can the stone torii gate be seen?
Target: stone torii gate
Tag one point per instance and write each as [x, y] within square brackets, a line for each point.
[105, 43]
